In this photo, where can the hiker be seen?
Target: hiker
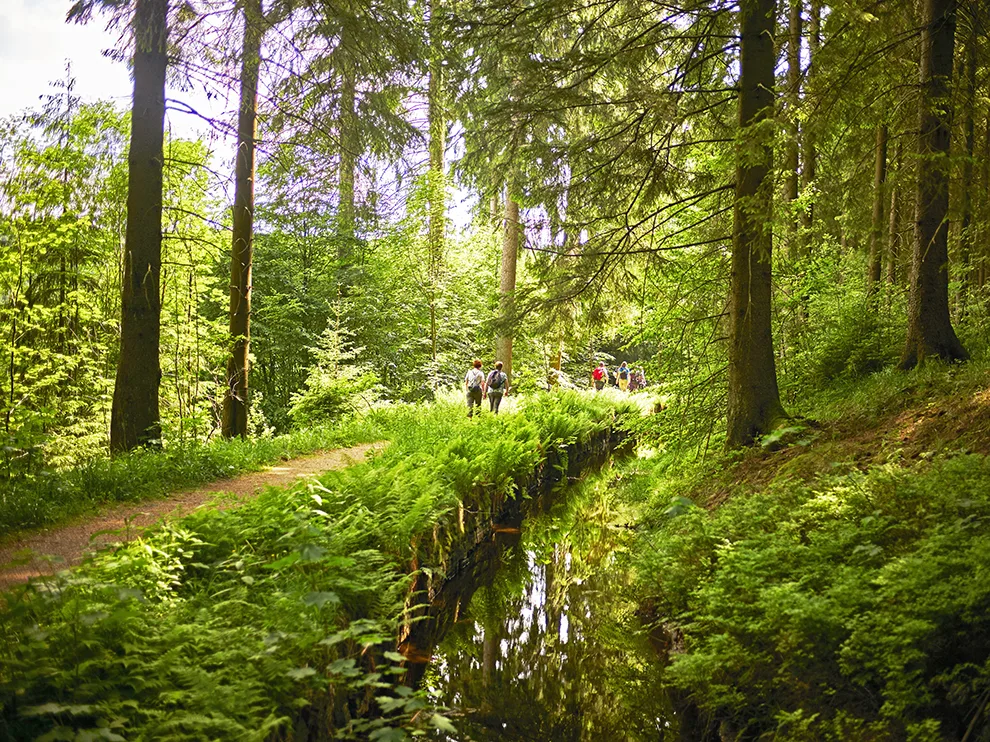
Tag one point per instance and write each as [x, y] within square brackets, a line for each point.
[474, 382]
[599, 376]
[496, 387]
[637, 380]
[622, 374]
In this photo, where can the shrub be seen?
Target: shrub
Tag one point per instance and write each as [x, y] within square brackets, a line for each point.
[227, 623]
[855, 608]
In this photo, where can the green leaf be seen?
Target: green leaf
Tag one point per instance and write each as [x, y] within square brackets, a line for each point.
[388, 734]
[394, 657]
[343, 667]
[301, 673]
[443, 724]
[311, 553]
[320, 599]
[678, 506]
[286, 561]
[335, 638]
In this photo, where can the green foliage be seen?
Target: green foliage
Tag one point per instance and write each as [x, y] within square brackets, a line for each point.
[230, 624]
[832, 329]
[64, 190]
[49, 497]
[854, 606]
[335, 386]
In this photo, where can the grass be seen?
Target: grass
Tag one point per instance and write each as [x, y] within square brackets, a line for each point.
[50, 498]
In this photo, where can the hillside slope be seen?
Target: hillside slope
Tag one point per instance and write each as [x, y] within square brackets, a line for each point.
[833, 583]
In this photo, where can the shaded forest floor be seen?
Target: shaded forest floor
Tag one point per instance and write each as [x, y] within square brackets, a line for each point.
[889, 419]
[53, 549]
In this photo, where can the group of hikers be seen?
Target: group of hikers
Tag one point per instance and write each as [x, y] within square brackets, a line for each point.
[626, 378]
[495, 385]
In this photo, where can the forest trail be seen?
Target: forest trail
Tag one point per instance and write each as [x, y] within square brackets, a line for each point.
[54, 549]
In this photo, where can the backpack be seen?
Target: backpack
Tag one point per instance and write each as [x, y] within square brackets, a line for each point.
[623, 373]
[496, 381]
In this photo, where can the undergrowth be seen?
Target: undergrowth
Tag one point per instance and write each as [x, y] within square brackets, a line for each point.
[850, 602]
[49, 497]
[243, 624]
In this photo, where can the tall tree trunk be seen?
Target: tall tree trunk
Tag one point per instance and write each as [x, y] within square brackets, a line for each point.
[894, 234]
[966, 241]
[984, 252]
[436, 187]
[879, 199]
[134, 417]
[792, 163]
[495, 206]
[810, 155]
[930, 332]
[507, 285]
[347, 131]
[754, 399]
[235, 404]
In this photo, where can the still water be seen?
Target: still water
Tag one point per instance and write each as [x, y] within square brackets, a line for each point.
[546, 645]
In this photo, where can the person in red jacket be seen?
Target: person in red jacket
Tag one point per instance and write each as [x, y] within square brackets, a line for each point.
[600, 376]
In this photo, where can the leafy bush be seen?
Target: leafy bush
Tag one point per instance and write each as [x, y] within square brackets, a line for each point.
[857, 608]
[844, 333]
[231, 624]
[336, 386]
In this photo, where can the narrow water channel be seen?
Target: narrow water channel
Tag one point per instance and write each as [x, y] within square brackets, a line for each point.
[546, 645]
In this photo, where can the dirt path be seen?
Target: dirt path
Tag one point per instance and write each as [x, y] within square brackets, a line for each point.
[55, 549]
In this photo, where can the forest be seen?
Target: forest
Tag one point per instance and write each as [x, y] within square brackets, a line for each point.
[776, 213]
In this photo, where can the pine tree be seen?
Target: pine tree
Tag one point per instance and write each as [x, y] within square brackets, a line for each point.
[930, 332]
[235, 403]
[135, 416]
[754, 400]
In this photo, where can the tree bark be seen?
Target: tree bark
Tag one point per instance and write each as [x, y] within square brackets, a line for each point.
[753, 397]
[981, 265]
[235, 404]
[347, 131]
[894, 235]
[930, 332]
[348, 153]
[436, 187]
[879, 199]
[792, 151]
[810, 154]
[134, 417]
[966, 241]
[507, 285]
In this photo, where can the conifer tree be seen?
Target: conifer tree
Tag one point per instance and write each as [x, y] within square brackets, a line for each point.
[879, 200]
[235, 403]
[507, 284]
[930, 331]
[754, 400]
[135, 417]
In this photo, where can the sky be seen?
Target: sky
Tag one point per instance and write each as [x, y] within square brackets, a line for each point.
[36, 43]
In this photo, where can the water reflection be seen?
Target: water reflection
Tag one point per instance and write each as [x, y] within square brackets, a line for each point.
[548, 647]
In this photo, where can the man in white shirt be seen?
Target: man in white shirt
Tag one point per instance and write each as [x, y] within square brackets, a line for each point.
[474, 382]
